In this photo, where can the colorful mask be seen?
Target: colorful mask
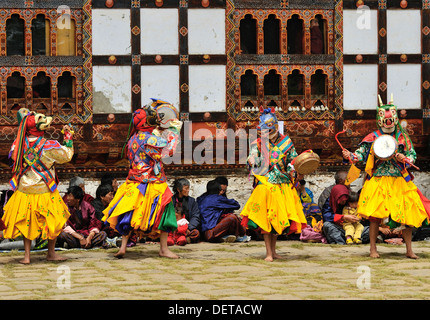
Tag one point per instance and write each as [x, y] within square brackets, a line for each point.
[166, 112]
[42, 122]
[386, 116]
[268, 121]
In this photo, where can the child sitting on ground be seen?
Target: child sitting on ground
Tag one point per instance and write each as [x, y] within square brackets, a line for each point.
[353, 230]
[178, 237]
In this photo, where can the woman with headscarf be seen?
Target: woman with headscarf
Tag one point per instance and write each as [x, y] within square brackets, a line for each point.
[144, 202]
[36, 208]
[333, 217]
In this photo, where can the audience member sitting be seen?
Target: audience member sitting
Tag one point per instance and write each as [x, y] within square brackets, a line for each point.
[333, 217]
[313, 232]
[178, 237]
[223, 181]
[104, 195]
[339, 178]
[219, 223]
[352, 230]
[110, 179]
[190, 209]
[82, 229]
[79, 182]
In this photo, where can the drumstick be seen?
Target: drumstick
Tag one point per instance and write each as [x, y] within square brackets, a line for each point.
[343, 131]
[410, 163]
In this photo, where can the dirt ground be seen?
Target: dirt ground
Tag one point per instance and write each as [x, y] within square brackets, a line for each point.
[222, 271]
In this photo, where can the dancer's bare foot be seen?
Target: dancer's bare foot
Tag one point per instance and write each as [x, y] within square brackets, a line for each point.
[277, 256]
[120, 254]
[269, 258]
[24, 261]
[55, 257]
[411, 255]
[166, 253]
[374, 254]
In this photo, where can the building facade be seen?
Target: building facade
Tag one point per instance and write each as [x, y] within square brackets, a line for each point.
[320, 64]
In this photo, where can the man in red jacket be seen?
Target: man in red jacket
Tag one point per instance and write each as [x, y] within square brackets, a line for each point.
[82, 230]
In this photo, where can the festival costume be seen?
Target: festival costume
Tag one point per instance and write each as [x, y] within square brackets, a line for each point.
[144, 201]
[274, 205]
[388, 192]
[36, 207]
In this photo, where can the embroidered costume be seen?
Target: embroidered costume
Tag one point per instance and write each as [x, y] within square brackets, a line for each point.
[144, 201]
[274, 205]
[388, 192]
[36, 207]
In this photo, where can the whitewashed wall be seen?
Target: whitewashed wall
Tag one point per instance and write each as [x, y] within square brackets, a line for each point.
[360, 36]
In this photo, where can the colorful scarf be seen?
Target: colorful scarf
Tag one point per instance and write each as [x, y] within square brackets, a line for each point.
[338, 193]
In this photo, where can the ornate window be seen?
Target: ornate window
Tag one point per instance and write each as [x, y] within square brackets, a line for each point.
[15, 36]
[41, 36]
[272, 35]
[295, 33]
[248, 35]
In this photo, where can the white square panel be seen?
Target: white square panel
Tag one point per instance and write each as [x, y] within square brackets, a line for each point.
[360, 87]
[160, 82]
[207, 88]
[111, 32]
[360, 31]
[403, 31]
[206, 31]
[159, 31]
[404, 82]
[111, 89]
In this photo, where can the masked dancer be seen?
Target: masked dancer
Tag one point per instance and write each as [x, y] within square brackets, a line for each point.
[36, 207]
[274, 207]
[144, 202]
[388, 195]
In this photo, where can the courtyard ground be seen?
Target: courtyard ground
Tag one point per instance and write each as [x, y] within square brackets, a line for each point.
[222, 271]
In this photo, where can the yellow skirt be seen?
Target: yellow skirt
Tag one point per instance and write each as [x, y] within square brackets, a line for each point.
[392, 197]
[142, 207]
[31, 215]
[275, 206]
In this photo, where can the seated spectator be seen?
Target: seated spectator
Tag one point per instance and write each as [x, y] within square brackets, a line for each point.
[190, 209]
[104, 195]
[219, 223]
[178, 237]
[352, 230]
[110, 179]
[79, 182]
[306, 195]
[312, 213]
[223, 181]
[82, 229]
[333, 217]
[339, 178]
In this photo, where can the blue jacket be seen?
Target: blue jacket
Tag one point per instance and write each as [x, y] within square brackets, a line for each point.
[191, 212]
[212, 206]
